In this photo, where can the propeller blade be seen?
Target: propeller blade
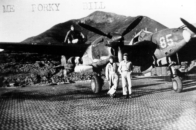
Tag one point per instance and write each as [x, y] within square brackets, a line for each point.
[189, 26]
[120, 55]
[92, 29]
[132, 25]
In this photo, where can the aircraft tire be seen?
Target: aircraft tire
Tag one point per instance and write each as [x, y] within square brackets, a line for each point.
[96, 84]
[177, 84]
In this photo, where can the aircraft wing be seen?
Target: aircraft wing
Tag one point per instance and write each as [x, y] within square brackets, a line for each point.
[67, 49]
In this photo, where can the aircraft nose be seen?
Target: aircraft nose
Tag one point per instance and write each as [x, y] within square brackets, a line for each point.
[186, 35]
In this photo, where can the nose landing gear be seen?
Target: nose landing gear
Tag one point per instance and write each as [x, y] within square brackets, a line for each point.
[176, 80]
[177, 84]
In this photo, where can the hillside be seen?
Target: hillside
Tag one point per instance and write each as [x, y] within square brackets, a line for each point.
[106, 22]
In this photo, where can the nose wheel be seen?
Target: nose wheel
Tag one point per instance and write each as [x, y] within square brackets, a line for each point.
[177, 84]
[176, 80]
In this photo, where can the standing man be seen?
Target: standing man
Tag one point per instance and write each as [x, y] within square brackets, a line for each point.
[63, 72]
[112, 76]
[125, 69]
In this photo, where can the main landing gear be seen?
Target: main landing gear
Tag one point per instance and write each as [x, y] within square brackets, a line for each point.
[96, 83]
[176, 80]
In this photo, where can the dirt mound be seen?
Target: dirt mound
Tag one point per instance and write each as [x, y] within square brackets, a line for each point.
[22, 69]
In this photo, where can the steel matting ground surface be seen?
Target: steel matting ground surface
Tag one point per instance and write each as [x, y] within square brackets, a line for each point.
[154, 105]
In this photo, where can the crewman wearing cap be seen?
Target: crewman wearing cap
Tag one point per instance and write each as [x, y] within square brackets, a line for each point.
[112, 76]
[125, 69]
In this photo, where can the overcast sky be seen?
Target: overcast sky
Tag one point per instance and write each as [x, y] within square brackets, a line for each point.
[20, 19]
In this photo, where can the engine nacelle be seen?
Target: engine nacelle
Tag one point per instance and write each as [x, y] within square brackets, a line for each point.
[83, 68]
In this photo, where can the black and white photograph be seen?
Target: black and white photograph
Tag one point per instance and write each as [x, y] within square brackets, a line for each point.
[97, 65]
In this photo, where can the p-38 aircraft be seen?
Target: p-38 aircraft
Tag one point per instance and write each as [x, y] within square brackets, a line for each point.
[143, 53]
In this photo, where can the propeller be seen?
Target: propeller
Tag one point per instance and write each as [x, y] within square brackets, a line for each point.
[92, 29]
[114, 40]
[127, 30]
[189, 26]
[132, 25]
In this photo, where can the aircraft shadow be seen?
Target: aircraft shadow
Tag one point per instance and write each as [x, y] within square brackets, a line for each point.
[84, 92]
[189, 85]
[142, 90]
[147, 85]
[80, 92]
[161, 78]
[49, 95]
[188, 82]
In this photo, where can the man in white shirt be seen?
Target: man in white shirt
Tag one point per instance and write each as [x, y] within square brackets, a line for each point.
[125, 69]
[112, 76]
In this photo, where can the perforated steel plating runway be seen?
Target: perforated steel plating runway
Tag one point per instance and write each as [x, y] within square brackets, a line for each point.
[72, 106]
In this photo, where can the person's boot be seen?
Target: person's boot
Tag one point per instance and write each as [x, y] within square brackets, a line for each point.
[113, 95]
[126, 96]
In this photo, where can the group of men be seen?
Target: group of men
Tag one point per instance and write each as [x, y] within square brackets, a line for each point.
[125, 69]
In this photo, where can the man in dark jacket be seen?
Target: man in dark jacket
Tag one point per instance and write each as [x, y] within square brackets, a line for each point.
[74, 37]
